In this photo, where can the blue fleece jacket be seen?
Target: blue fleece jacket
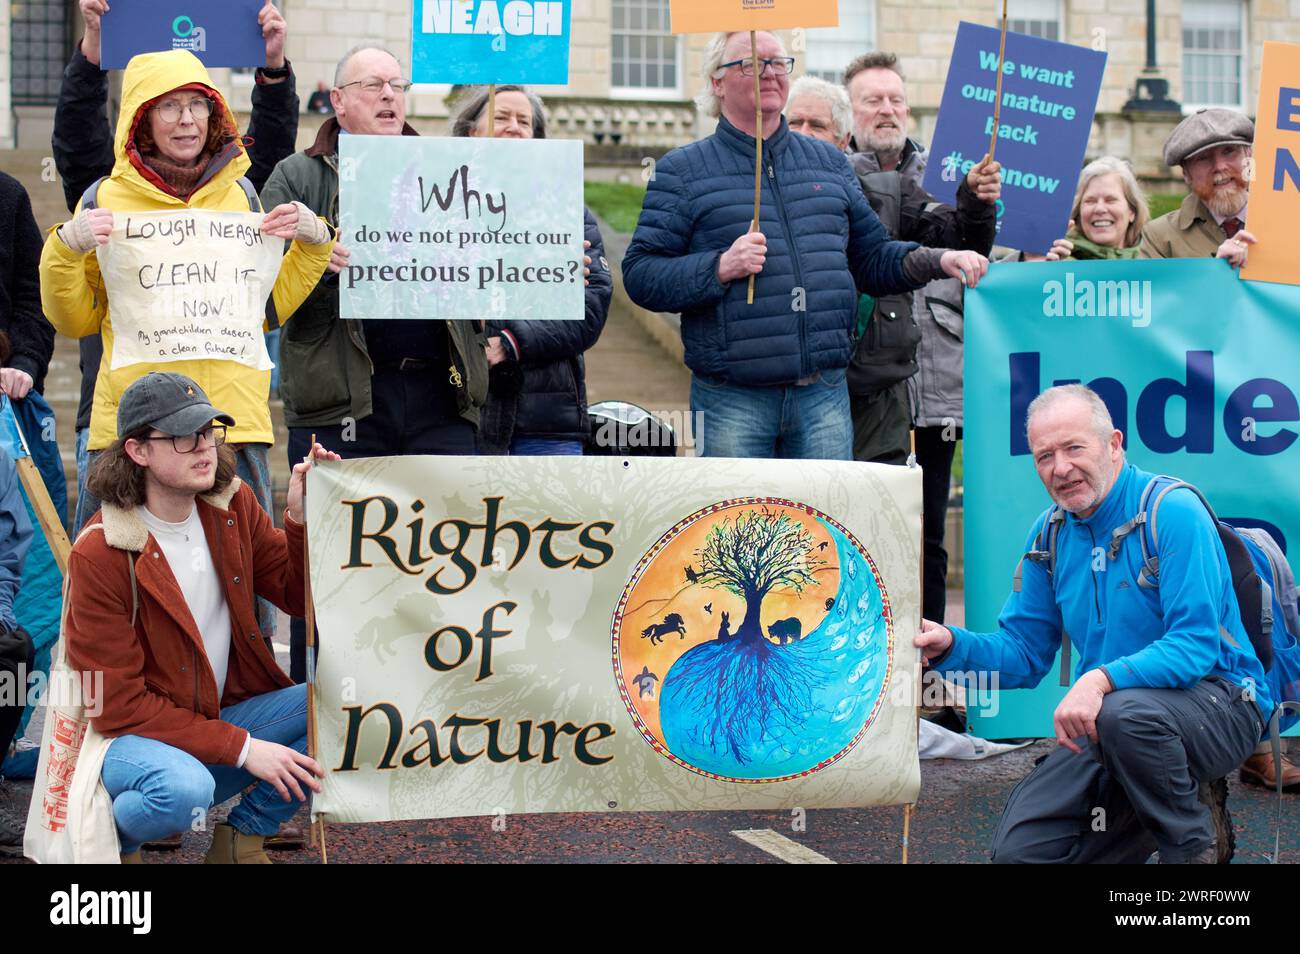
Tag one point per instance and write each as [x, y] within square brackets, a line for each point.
[1170, 637]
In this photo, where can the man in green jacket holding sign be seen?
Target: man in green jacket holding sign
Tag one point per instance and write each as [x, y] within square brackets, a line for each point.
[368, 388]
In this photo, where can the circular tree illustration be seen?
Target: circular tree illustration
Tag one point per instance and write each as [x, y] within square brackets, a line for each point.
[754, 641]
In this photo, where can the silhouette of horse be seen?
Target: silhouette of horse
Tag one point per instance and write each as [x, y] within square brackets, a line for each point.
[672, 623]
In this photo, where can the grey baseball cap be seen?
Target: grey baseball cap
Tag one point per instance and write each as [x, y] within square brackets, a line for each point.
[1205, 129]
[168, 402]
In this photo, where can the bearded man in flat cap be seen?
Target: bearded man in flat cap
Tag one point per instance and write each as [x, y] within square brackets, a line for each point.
[1213, 147]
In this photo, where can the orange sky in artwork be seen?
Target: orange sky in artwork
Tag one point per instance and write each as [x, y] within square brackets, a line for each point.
[663, 589]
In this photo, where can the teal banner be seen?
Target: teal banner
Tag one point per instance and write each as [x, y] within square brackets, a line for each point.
[1200, 370]
[461, 228]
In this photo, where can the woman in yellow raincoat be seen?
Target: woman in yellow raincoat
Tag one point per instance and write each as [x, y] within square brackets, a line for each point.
[177, 148]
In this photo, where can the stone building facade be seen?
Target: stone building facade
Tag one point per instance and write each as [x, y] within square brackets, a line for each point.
[632, 83]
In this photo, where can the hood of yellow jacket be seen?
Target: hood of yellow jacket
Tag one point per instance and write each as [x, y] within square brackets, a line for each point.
[149, 77]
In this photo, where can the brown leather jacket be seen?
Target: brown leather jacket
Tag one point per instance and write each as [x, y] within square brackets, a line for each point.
[157, 682]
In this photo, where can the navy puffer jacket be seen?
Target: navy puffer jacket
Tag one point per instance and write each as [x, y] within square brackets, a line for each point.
[822, 237]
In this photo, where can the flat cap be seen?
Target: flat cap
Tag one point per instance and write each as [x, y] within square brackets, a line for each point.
[1205, 129]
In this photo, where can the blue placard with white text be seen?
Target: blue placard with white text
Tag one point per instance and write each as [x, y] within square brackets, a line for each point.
[222, 34]
[1049, 95]
[490, 41]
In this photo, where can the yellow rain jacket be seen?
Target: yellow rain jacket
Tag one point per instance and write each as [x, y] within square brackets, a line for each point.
[72, 290]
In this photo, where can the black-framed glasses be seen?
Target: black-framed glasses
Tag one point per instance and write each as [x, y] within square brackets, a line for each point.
[213, 436]
[200, 108]
[781, 65]
[372, 85]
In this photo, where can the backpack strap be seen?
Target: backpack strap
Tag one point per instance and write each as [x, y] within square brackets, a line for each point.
[1152, 496]
[250, 193]
[1044, 553]
[90, 198]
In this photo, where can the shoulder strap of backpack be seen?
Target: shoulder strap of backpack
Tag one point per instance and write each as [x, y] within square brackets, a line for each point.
[1044, 552]
[90, 198]
[250, 193]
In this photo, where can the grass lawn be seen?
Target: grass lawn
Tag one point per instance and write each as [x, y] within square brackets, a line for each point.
[617, 203]
[1160, 204]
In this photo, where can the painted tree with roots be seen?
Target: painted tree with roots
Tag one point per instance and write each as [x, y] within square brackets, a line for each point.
[743, 690]
[754, 555]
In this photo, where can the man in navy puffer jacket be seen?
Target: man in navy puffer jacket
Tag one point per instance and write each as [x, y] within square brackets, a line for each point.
[768, 378]
[1168, 696]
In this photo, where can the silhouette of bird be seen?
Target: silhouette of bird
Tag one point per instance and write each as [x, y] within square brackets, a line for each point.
[822, 545]
[691, 575]
[708, 608]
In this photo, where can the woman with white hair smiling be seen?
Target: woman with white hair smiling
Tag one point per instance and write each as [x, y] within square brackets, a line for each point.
[1108, 215]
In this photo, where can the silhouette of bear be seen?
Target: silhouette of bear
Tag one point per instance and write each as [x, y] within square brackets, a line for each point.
[786, 630]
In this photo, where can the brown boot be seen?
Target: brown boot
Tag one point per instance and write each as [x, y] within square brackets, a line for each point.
[233, 847]
[134, 858]
[1258, 770]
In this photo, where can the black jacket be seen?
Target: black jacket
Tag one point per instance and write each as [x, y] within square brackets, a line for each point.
[83, 154]
[31, 336]
[551, 401]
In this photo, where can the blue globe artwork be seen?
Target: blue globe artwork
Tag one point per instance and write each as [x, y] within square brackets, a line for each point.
[754, 641]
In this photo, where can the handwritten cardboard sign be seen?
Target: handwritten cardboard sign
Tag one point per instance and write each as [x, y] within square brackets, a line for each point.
[490, 41]
[461, 228]
[1049, 95]
[219, 34]
[186, 286]
[710, 16]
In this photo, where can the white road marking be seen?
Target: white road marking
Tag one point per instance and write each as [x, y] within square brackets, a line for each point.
[779, 846]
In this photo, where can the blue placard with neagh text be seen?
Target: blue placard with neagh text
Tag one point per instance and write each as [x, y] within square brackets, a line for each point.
[490, 41]
[1049, 95]
[224, 34]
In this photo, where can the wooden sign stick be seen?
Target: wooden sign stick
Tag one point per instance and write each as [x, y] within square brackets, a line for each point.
[492, 110]
[997, 104]
[309, 610]
[758, 144]
[34, 485]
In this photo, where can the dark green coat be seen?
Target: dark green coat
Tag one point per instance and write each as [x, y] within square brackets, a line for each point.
[324, 366]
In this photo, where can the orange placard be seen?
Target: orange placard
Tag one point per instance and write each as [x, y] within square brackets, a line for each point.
[1275, 183]
[711, 16]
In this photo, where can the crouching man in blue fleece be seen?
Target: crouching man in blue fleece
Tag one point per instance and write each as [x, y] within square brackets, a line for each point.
[1168, 697]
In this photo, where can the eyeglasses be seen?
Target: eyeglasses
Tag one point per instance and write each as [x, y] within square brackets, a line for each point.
[213, 436]
[372, 85]
[171, 110]
[781, 66]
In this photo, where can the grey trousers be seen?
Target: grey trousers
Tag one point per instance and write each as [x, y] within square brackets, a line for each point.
[1135, 790]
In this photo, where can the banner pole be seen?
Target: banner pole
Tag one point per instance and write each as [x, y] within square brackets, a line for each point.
[997, 104]
[34, 485]
[920, 672]
[758, 144]
[310, 613]
[492, 110]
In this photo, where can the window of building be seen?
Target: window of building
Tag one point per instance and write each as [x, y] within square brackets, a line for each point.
[40, 44]
[1214, 44]
[830, 49]
[1034, 17]
[645, 58]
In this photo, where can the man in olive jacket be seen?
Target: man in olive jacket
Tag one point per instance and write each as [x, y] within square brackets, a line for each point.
[368, 388]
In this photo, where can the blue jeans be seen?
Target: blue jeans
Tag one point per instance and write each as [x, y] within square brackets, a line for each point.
[545, 447]
[797, 422]
[83, 464]
[158, 790]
